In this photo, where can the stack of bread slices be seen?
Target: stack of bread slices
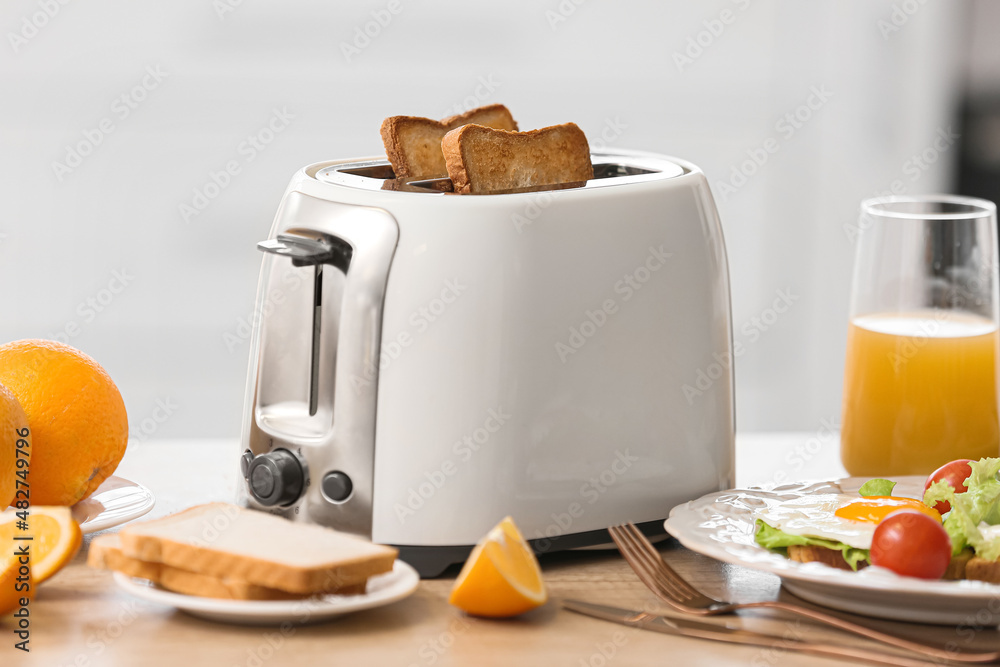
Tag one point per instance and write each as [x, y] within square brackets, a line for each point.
[220, 550]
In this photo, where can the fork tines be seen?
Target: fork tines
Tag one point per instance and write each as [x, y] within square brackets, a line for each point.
[644, 558]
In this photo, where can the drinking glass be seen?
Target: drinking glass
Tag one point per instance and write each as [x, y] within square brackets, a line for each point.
[920, 385]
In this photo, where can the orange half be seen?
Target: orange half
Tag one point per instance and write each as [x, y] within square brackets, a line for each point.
[501, 578]
[55, 539]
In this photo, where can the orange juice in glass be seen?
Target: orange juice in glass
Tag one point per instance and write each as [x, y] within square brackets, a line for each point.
[920, 384]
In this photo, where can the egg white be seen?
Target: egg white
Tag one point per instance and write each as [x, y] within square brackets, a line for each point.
[813, 516]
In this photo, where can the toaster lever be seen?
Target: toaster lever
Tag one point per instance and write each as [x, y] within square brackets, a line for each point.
[307, 250]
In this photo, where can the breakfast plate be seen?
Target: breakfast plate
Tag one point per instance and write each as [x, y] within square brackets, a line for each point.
[382, 590]
[721, 526]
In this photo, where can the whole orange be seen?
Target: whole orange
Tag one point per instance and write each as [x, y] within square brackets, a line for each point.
[13, 429]
[79, 428]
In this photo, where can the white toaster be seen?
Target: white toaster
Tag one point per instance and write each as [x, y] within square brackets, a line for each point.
[425, 363]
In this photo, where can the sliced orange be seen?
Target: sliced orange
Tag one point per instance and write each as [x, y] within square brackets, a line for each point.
[55, 539]
[10, 596]
[501, 578]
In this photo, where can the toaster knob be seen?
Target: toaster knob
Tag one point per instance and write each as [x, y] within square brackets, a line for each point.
[337, 486]
[275, 478]
[245, 462]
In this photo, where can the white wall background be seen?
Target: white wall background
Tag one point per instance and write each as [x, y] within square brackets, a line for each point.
[189, 283]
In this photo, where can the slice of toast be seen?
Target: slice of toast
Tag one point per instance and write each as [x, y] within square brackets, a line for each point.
[981, 569]
[958, 565]
[482, 159]
[106, 553]
[413, 145]
[965, 565]
[813, 554]
[227, 541]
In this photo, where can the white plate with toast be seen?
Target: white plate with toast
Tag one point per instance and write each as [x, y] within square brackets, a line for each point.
[233, 564]
[722, 526]
[382, 589]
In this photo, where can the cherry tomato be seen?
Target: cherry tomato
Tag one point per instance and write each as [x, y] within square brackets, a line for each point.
[955, 473]
[912, 544]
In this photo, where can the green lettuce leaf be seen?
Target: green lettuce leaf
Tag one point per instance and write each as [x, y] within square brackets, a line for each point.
[942, 491]
[772, 538]
[980, 504]
[877, 487]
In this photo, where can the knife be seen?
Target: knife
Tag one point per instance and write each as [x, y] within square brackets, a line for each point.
[732, 634]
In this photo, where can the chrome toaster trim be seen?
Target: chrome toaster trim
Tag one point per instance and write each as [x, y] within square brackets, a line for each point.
[348, 446]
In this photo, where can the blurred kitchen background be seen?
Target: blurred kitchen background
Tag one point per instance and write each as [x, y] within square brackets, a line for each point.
[116, 237]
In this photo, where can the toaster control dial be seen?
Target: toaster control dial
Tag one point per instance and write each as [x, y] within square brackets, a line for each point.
[275, 478]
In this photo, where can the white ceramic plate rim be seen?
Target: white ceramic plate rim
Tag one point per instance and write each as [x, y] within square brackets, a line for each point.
[140, 502]
[402, 581]
[732, 522]
[112, 517]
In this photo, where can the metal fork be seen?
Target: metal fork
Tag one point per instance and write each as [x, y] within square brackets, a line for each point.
[670, 587]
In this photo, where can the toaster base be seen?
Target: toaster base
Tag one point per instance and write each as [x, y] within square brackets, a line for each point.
[433, 561]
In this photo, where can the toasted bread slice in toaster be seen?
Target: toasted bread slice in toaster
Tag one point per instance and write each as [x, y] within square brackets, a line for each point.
[482, 159]
[106, 554]
[227, 541]
[413, 145]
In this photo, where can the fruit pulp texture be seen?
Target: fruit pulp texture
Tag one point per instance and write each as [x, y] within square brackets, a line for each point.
[920, 389]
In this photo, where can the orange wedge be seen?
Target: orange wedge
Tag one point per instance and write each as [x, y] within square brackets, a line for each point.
[501, 578]
[55, 539]
[10, 597]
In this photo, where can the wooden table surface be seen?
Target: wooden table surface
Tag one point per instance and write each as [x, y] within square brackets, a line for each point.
[81, 618]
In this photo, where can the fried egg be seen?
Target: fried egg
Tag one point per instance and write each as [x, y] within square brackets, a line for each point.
[841, 517]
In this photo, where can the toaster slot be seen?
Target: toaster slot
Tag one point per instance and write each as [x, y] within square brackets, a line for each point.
[618, 170]
[609, 169]
[603, 170]
[379, 171]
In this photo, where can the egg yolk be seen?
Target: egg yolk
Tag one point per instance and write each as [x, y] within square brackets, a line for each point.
[876, 508]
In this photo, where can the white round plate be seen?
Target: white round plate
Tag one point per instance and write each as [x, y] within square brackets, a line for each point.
[382, 590]
[721, 525]
[115, 502]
